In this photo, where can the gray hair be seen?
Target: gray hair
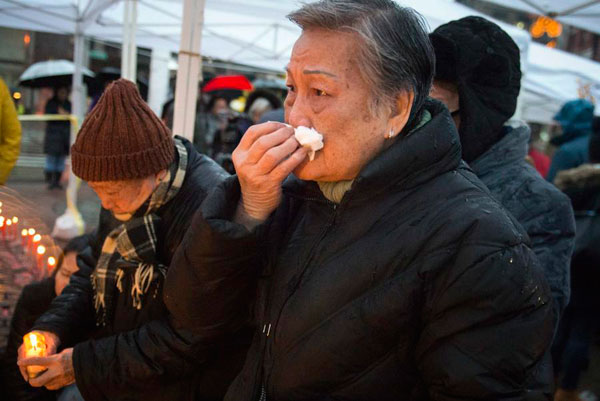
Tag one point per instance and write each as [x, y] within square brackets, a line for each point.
[259, 105]
[395, 52]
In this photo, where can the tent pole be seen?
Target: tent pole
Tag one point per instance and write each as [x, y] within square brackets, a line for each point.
[159, 79]
[129, 49]
[71, 224]
[190, 68]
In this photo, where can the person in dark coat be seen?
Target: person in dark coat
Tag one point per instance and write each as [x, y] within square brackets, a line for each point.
[33, 302]
[580, 322]
[58, 137]
[381, 270]
[478, 77]
[112, 326]
[575, 119]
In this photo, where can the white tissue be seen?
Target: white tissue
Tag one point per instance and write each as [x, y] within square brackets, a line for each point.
[310, 139]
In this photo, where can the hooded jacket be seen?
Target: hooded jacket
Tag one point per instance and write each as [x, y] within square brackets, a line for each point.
[138, 355]
[418, 285]
[484, 62]
[543, 211]
[575, 118]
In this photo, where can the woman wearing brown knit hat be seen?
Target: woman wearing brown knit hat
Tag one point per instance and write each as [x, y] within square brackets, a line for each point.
[151, 183]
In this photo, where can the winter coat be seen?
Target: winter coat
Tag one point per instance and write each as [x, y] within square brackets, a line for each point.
[418, 285]
[33, 301]
[575, 118]
[543, 211]
[138, 356]
[10, 133]
[582, 184]
[57, 140]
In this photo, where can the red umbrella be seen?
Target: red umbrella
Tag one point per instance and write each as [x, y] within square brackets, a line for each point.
[236, 82]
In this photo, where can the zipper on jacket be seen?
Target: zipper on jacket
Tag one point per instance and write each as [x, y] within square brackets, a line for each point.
[269, 328]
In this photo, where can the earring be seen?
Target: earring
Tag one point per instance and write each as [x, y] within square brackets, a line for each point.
[390, 134]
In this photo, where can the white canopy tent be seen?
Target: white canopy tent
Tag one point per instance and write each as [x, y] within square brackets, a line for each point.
[256, 32]
[583, 14]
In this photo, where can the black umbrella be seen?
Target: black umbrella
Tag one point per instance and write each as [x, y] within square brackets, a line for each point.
[108, 74]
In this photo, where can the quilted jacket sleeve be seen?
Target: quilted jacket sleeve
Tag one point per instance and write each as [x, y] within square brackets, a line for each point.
[485, 320]
[212, 277]
[115, 367]
[71, 314]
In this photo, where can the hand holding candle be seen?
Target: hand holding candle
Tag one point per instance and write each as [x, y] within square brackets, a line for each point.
[35, 345]
[26, 350]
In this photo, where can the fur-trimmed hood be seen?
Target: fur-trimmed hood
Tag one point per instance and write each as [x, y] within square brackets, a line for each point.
[584, 176]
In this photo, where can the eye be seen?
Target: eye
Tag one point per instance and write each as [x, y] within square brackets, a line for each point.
[291, 88]
[320, 92]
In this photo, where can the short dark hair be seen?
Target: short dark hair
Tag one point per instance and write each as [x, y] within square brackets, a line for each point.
[395, 54]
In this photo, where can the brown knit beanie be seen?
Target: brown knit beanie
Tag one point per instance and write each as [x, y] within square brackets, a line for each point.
[122, 138]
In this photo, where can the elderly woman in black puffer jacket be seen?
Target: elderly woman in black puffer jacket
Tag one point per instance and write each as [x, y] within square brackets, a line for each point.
[384, 269]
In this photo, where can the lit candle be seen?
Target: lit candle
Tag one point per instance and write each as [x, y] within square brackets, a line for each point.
[15, 222]
[36, 238]
[41, 250]
[8, 224]
[35, 345]
[2, 227]
[24, 235]
[51, 263]
[31, 232]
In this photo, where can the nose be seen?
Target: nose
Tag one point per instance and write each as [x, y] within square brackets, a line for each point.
[107, 203]
[298, 113]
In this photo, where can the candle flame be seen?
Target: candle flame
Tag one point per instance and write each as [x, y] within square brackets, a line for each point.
[51, 261]
[8, 222]
[37, 238]
[24, 232]
[41, 250]
[31, 231]
[15, 220]
[34, 340]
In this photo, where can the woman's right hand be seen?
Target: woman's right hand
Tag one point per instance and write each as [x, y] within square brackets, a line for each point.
[266, 155]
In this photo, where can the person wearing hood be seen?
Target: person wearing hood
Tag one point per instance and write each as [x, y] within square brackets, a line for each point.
[478, 78]
[575, 119]
[580, 321]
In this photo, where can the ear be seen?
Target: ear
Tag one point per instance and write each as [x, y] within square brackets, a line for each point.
[400, 114]
[159, 176]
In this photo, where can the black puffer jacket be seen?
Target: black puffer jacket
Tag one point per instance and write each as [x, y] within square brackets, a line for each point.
[138, 356]
[417, 286]
[57, 139]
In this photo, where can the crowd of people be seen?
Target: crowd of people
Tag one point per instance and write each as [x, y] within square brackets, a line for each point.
[419, 256]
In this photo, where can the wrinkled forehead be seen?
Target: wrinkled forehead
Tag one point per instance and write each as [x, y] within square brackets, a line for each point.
[326, 50]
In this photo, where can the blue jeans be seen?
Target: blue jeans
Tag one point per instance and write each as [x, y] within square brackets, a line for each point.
[55, 164]
[70, 393]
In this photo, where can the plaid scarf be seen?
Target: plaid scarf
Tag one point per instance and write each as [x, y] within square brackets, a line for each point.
[131, 247]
